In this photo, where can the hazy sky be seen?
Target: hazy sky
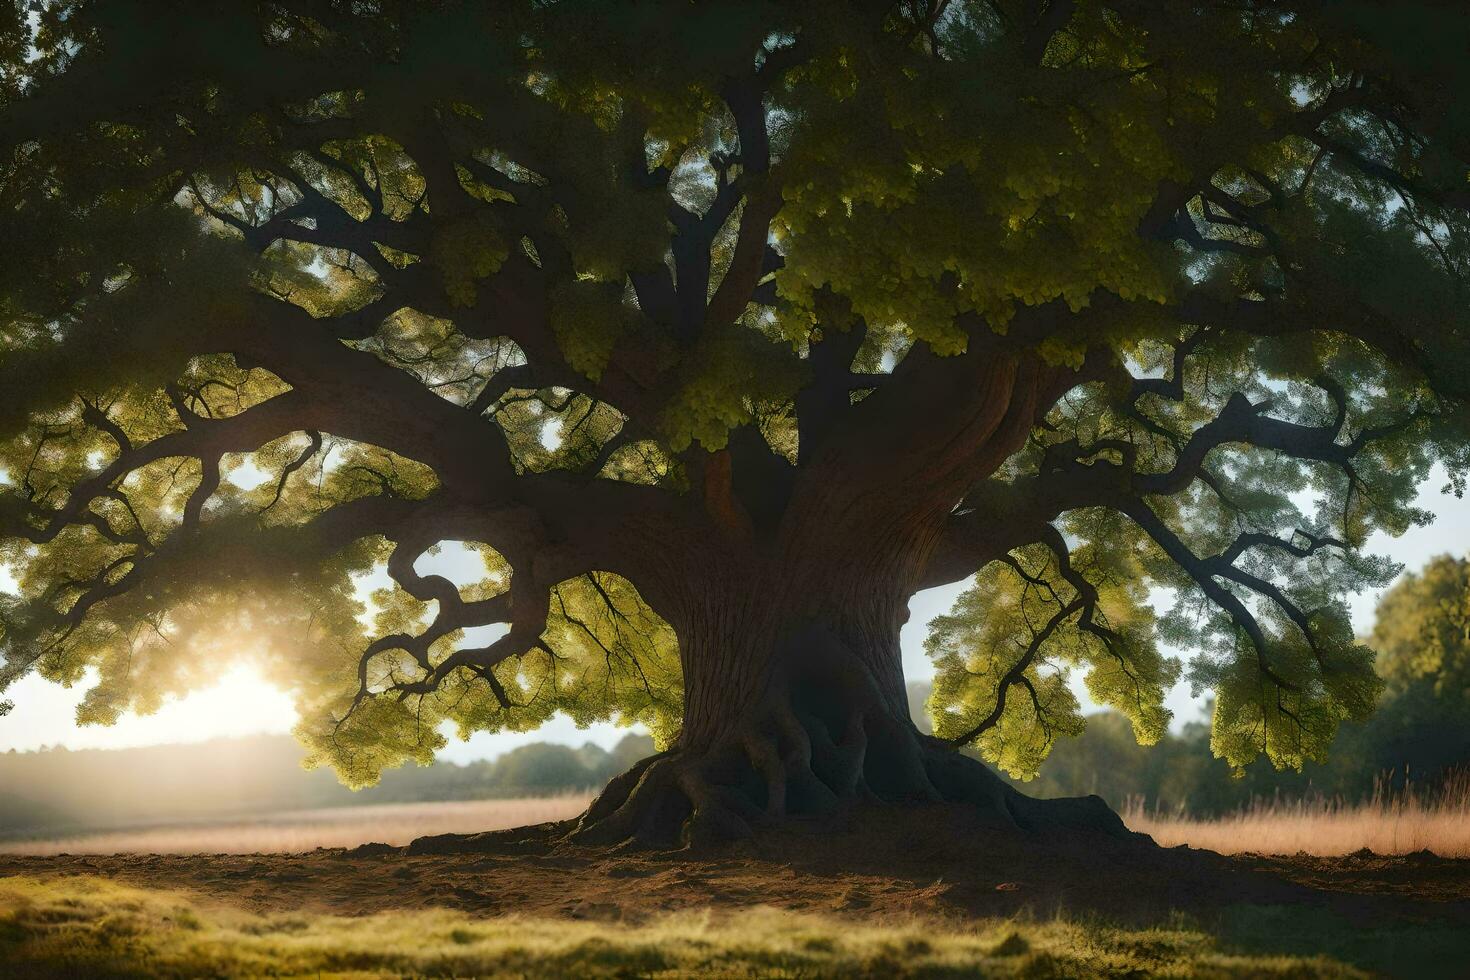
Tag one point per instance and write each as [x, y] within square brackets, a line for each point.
[242, 703]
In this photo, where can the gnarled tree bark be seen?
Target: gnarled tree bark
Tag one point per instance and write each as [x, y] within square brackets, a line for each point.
[789, 620]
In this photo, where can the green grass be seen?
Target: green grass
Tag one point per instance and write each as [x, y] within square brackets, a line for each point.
[94, 928]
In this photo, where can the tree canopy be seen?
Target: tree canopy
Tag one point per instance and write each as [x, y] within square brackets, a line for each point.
[1084, 299]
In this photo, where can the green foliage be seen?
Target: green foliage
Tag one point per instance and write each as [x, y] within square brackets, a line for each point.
[1422, 634]
[730, 372]
[588, 318]
[952, 218]
[465, 251]
[604, 654]
[1419, 737]
[1003, 655]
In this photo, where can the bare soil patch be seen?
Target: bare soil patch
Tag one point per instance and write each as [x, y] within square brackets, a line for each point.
[1421, 877]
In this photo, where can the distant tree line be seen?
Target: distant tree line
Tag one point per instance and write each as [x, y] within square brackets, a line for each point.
[58, 791]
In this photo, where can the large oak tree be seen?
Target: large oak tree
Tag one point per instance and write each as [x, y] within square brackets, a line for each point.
[718, 330]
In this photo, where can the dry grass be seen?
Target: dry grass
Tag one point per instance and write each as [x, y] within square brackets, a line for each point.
[1401, 823]
[304, 830]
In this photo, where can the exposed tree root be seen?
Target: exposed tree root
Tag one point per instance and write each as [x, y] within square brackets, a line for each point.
[792, 758]
[823, 740]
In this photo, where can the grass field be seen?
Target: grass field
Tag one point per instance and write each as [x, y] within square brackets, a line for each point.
[1440, 824]
[884, 893]
[90, 927]
[304, 830]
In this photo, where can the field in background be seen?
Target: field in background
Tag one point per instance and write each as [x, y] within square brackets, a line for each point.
[305, 830]
[1401, 823]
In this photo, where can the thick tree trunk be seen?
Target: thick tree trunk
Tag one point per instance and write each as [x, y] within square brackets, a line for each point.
[788, 600]
[795, 705]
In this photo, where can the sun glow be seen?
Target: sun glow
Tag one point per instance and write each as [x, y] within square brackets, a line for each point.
[241, 702]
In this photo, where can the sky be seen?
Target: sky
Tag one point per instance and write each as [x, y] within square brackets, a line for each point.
[241, 703]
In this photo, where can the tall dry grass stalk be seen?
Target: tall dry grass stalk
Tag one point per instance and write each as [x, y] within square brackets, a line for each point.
[1389, 822]
[305, 830]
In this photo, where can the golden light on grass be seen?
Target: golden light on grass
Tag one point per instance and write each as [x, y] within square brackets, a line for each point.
[84, 926]
[1401, 823]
